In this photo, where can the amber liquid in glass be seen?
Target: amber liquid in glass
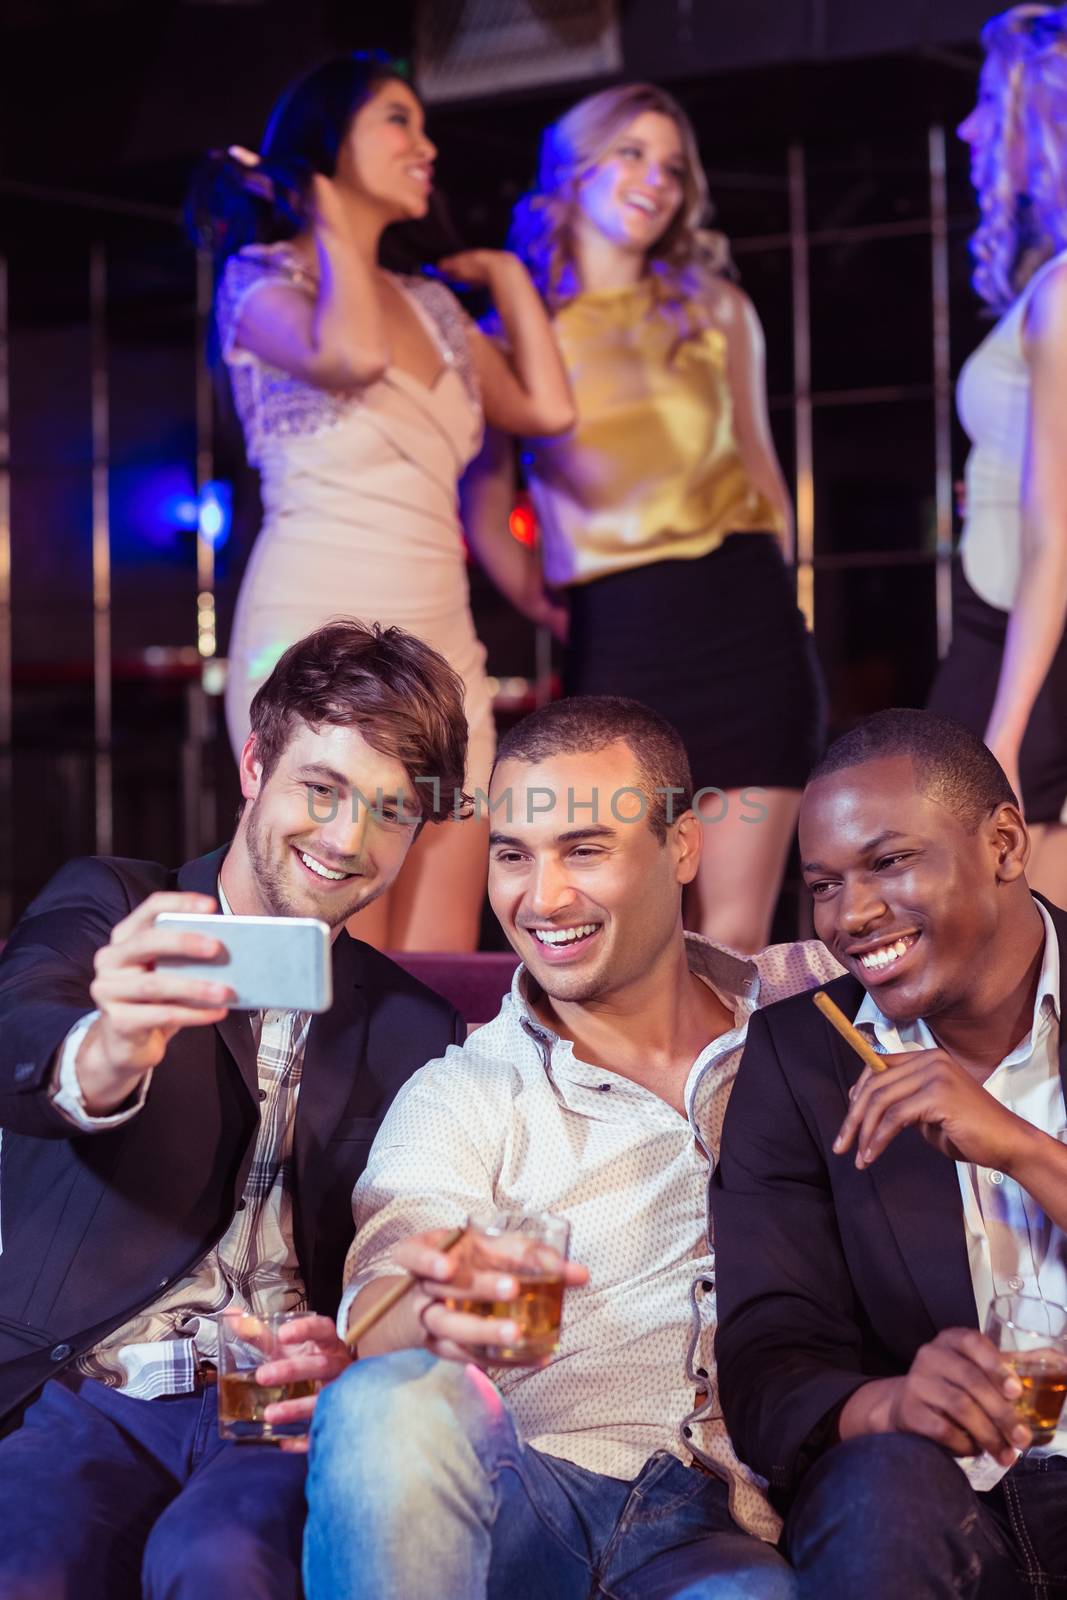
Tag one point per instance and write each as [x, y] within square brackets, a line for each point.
[538, 1311]
[1043, 1375]
[242, 1399]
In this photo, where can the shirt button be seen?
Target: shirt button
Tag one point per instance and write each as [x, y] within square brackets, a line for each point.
[1015, 1284]
[263, 1094]
[61, 1352]
[702, 1372]
[996, 1177]
[241, 1204]
[707, 1285]
[688, 1432]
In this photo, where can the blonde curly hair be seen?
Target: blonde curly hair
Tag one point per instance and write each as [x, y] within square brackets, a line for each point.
[1020, 169]
[680, 265]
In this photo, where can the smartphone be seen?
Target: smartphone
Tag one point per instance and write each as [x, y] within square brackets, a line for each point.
[271, 963]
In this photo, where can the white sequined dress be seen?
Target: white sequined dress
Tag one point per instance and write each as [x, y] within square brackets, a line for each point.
[359, 498]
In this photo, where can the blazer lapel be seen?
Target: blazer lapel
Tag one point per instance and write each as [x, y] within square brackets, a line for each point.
[919, 1190]
[334, 1055]
[235, 1030]
[1059, 922]
[202, 875]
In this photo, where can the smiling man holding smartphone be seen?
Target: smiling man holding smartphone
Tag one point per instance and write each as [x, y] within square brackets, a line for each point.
[166, 1157]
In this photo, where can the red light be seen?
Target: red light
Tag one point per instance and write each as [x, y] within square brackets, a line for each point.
[523, 523]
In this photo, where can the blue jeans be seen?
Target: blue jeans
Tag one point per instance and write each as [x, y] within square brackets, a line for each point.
[107, 1498]
[420, 1489]
[892, 1515]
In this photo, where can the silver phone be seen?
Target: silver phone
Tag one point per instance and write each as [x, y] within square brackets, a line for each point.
[271, 963]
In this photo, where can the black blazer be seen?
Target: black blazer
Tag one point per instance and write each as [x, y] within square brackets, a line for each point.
[826, 1276]
[95, 1226]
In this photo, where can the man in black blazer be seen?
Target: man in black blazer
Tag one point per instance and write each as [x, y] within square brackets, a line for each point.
[864, 1221]
[164, 1157]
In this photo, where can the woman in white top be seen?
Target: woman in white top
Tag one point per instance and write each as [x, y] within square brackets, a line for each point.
[362, 394]
[1006, 673]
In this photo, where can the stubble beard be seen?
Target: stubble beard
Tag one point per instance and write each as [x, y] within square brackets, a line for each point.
[270, 881]
[266, 872]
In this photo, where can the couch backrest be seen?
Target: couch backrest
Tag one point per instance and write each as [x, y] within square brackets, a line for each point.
[475, 984]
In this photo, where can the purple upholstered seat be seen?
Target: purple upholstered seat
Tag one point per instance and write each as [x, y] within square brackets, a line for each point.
[475, 984]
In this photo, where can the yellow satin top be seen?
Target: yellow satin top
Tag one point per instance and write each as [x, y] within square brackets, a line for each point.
[651, 471]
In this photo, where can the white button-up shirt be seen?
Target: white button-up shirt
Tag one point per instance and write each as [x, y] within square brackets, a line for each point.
[1012, 1246]
[515, 1121]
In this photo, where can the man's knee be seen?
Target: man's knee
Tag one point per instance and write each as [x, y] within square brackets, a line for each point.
[401, 1402]
[186, 1562]
[884, 1482]
[235, 1530]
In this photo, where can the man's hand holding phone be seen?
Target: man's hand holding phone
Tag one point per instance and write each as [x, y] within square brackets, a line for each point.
[141, 1006]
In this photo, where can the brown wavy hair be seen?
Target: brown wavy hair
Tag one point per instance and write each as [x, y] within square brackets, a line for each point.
[1021, 164]
[681, 264]
[402, 696]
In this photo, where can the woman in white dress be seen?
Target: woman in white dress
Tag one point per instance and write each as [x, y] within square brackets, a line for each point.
[362, 395]
[1006, 673]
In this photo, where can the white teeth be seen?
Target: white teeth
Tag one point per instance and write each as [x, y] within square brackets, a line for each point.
[874, 960]
[642, 203]
[323, 872]
[564, 935]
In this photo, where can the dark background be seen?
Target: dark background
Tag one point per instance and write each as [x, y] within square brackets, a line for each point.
[104, 110]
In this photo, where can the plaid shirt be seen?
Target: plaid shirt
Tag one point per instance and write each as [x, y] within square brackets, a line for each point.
[254, 1265]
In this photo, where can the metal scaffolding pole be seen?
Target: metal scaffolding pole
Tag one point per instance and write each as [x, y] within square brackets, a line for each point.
[102, 709]
[942, 368]
[805, 480]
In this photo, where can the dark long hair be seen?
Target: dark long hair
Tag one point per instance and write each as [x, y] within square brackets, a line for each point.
[231, 205]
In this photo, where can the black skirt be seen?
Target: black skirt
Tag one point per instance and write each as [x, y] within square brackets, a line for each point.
[717, 646]
[966, 686]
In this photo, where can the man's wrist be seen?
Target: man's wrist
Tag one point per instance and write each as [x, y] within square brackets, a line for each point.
[869, 1409]
[103, 1087]
[1030, 1147]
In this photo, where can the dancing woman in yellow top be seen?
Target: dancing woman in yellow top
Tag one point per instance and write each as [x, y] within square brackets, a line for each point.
[663, 512]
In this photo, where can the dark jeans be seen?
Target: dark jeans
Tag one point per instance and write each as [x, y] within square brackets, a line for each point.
[102, 1494]
[421, 1489]
[892, 1515]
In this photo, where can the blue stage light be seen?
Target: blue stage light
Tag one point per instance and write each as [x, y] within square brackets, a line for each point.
[181, 511]
[215, 512]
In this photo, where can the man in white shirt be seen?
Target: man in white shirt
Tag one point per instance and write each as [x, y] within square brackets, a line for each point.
[596, 1094]
[865, 1221]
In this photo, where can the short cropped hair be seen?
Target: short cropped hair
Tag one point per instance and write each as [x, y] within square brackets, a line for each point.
[402, 696]
[951, 764]
[585, 724]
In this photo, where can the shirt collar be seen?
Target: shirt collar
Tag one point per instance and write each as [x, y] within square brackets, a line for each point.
[735, 979]
[224, 904]
[916, 1035]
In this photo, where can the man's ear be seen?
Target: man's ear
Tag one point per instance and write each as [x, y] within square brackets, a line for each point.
[686, 837]
[250, 769]
[1010, 841]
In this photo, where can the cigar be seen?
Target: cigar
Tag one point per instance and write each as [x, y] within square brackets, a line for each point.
[393, 1295]
[851, 1035]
